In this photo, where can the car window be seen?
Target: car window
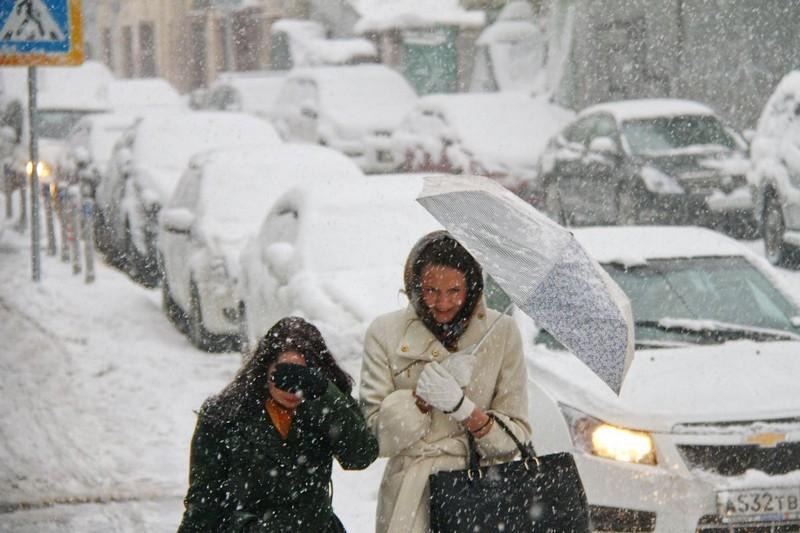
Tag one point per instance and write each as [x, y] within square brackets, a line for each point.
[188, 190]
[580, 132]
[723, 289]
[665, 134]
[603, 126]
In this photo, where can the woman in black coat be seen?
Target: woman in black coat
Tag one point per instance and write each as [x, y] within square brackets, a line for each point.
[262, 450]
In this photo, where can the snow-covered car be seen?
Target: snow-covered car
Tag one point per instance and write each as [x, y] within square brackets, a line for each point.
[646, 161]
[498, 135]
[134, 95]
[333, 255]
[353, 109]
[217, 205]
[775, 153]
[705, 434]
[145, 166]
[250, 92]
[64, 95]
[89, 145]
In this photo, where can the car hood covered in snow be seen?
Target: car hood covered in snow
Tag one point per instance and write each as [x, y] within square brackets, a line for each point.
[735, 381]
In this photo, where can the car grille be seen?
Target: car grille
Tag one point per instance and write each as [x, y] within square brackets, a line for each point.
[713, 524]
[736, 460]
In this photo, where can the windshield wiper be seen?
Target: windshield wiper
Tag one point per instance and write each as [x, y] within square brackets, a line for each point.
[714, 329]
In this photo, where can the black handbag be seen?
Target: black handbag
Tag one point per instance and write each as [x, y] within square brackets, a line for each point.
[534, 494]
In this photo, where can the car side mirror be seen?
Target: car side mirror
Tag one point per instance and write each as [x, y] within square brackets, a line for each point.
[81, 155]
[309, 111]
[124, 159]
[177, 220]
[604, 145]
[278, 257]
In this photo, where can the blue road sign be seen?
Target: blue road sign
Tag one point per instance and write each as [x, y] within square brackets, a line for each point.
[40, 31]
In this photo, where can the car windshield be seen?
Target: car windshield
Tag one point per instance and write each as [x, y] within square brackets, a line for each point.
[670, 298]
[57, 123]
[676, 134]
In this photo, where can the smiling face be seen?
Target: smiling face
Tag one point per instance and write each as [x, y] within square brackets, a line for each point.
[286, 399]
[444, 291]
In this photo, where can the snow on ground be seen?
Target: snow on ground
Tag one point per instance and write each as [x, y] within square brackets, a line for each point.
[97, 396]
[98, 392]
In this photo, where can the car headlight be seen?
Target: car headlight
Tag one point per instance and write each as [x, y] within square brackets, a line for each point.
[43, 170]
[658, 182]
[592, 435]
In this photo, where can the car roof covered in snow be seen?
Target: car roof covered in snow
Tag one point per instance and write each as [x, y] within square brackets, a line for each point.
[637, 244]
[131, 94]
[648, 108]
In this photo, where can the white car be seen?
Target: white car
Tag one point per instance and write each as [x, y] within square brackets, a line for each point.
[146, 164]
[775, 153]
[499, 135]
[705, 434]
[353, 109]
[333, 255]
[250, 92]
[217, 204]
[89, 145]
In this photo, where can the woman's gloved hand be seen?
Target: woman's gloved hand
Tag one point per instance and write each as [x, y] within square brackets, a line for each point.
[460, 365]
[441, 390]
[301, 380]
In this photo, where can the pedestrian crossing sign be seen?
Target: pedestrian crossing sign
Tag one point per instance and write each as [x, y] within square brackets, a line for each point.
[40, 32]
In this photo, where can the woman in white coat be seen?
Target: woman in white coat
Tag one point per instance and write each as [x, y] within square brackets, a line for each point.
[422, 389]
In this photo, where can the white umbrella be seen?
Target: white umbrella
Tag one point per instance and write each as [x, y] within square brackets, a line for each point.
[541, 267]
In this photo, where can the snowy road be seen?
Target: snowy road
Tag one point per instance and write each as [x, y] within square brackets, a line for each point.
[97, 395]
[97, 391]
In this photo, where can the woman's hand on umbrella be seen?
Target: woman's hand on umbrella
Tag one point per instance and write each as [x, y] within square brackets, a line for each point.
[460, 365]
[305, 381]
[441, 390]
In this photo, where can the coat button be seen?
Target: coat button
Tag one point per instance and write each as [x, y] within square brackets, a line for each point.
[435, 353]
[404, 348]
[481, 316]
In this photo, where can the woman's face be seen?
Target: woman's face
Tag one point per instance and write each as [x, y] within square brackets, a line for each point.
[444, 291]
[286, 399]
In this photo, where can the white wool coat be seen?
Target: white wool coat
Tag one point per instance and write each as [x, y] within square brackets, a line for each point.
[397, 346]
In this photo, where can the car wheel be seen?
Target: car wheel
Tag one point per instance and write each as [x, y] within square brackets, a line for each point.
[773, 228]
[197, 331]
[627, 207]
[552, 203]
[243, 342]
[130, 255]
[173, 311]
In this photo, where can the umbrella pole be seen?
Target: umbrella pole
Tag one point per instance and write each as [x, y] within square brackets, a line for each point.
[491, 327]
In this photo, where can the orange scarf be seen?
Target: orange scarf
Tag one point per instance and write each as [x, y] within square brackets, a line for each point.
[281, 417]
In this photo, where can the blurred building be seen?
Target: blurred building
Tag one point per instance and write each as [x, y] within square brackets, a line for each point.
[184, 41]
[728, 54]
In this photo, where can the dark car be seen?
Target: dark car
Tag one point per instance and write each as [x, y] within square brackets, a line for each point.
[647, 161]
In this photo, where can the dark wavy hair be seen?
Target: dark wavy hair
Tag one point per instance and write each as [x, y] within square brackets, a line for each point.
[249, 387]
[441, 249]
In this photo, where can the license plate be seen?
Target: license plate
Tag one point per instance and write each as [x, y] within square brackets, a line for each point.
[756, 505]
[384, 156]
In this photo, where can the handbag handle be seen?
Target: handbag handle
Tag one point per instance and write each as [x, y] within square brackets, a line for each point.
[474, 457]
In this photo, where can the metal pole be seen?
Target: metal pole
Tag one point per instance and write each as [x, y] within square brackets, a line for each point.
[36, 258]
[47, 197]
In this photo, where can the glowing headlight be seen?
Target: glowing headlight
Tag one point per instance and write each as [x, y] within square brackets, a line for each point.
[43, 170]
[598, 438]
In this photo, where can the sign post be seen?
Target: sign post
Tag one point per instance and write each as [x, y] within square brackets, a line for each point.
[39, 32]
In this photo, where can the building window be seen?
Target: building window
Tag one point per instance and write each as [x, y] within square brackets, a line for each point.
[108, 48]
[147, 50]
[127, 52]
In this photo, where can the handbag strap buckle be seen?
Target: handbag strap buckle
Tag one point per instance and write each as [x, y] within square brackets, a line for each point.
[532, 459]
[471, 474]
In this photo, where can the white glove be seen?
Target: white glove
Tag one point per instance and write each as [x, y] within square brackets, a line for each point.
[460, 365]
[441, 390]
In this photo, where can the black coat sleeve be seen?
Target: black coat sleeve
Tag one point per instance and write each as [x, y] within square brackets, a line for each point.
[351, 442]
[206, 504]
